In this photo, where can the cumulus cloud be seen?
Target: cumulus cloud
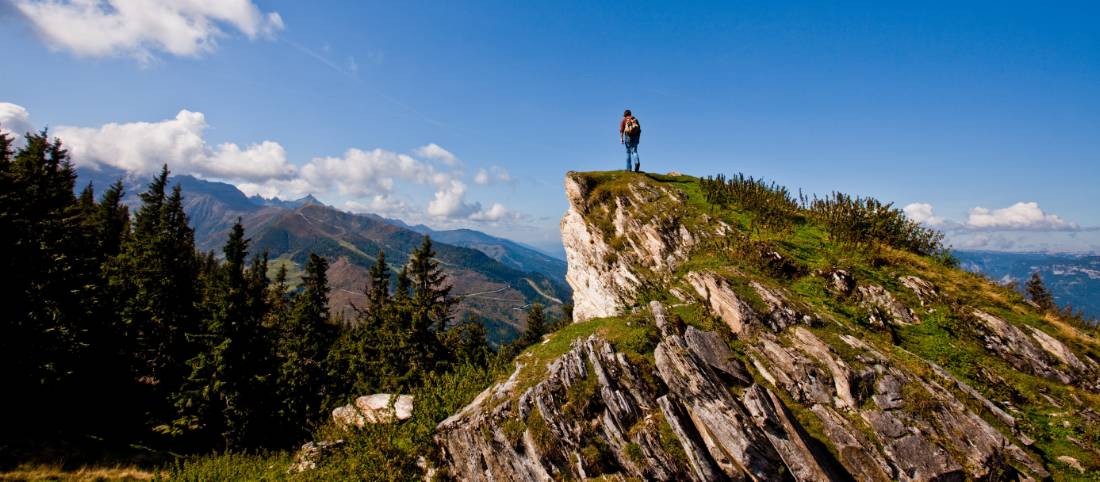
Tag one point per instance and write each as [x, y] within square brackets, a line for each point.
[361, 180]
[922, 213]
[143, 147]
[1022, 216]
[493, 174]
[496, 212]
[15, 121]
[450, 202]
[140, 29]
[360, 173]
[434, 151]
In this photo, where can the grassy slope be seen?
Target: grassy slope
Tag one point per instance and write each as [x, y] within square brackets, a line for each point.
[943, 338]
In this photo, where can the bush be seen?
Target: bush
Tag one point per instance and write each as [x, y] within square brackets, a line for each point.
[865, 221]
[772, 205]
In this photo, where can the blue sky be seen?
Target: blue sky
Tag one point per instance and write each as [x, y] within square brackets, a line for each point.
[983, 119]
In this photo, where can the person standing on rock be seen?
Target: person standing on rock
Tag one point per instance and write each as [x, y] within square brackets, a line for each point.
[630, 132]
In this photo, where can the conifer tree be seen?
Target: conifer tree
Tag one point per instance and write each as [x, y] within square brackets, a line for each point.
[429, 311]
[304, 343]
[378, 288]
[223, 396]
[536, 324]
[49, 275]
[112, 220]
[1037, 291]
[156, 278]
[430, 293]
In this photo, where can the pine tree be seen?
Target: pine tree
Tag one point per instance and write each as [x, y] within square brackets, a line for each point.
[112, 220]
[49, 282]
[305, 341]
[536, 325]
[224, 395]
[378, 287]
[429, 311]
[156, 279]
[1037, 291]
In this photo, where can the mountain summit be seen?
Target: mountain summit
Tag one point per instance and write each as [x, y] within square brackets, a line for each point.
[727, 331]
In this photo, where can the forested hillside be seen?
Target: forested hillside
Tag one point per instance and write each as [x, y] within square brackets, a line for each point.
[498, 279]
[124, 342]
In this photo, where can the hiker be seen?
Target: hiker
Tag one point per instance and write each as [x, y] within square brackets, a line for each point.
[630, 132]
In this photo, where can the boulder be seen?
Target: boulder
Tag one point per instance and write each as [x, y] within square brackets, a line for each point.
[377, 408]
[883, 307]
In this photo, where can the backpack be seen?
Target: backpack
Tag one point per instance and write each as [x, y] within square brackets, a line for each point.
[633, 129]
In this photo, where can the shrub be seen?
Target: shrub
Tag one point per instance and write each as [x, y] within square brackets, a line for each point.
[772, 205]
[866, 221]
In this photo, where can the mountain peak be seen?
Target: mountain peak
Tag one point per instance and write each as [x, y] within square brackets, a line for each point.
[832, 340]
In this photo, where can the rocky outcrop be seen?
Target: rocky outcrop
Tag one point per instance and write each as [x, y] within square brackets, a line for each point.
[785, 382]
[717, 295]
[377, 408]
[607, 244]
[594, 397]
[924, 432]
[591, 414]
[926, 292]
[883, 308]
[1033, 351]
[709, 418]
[1017, 348]
[601, 282]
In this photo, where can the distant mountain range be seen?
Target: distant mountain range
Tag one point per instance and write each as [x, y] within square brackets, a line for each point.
[1073, 279]
[497, 277]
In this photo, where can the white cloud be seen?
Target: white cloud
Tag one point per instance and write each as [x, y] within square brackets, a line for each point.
[360, 180]
[922, 213]
[450, 202]
[143, 147]
[1022, 216]
[15, 121]
[482, 177]
[493, 174]
[141, 28]
[361, 173]
[434, 151]
[497, 212]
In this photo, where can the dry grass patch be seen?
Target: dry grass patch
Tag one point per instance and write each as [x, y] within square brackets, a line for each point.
[56, 472]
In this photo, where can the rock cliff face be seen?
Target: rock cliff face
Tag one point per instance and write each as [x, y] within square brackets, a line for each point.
[687, 365]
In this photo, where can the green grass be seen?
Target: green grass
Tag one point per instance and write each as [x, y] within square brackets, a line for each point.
[376, 452]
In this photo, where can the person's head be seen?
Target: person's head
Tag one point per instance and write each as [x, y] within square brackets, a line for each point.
[627, 113]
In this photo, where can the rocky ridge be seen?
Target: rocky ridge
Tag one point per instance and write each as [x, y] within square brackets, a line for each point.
[834, 374]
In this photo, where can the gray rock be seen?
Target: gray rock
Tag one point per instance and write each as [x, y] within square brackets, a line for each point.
[710, 348]
[1021, 351]
[722, 300]
[839, 282]
[883, 307]
[926, 292]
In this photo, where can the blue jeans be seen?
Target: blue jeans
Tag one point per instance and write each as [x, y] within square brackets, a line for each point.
[632, 153]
